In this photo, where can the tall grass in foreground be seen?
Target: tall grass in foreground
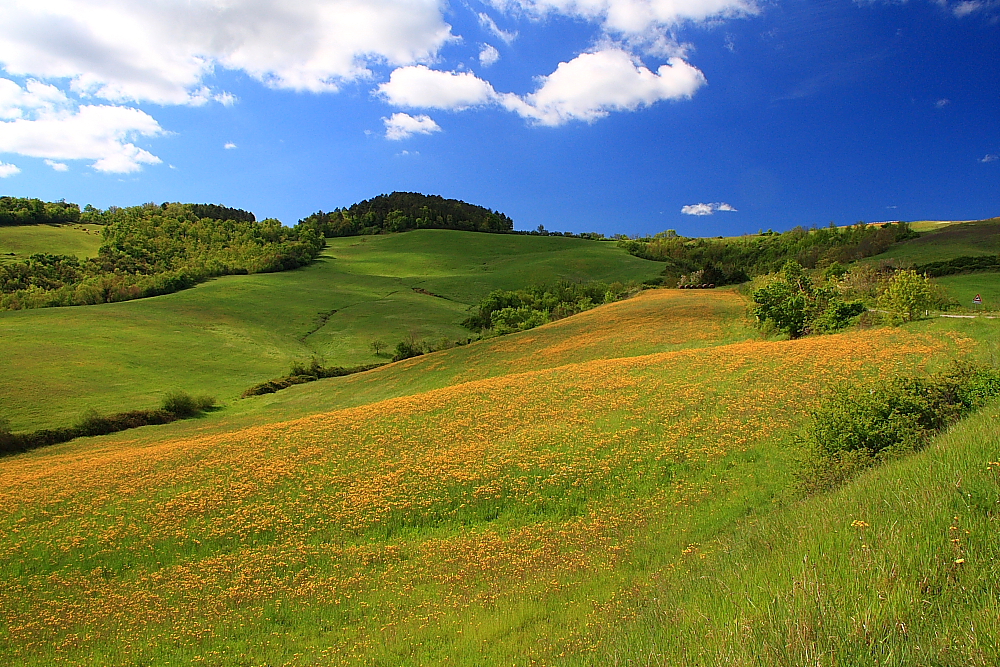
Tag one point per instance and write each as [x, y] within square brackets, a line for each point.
[899, 567]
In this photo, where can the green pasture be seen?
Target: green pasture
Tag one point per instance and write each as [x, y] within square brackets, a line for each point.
[18, 242]
[227, 334]
[964, 288]
[898, 567]
[627, 524]
[962, 239]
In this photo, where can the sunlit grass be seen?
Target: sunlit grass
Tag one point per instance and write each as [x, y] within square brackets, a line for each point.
[503, 520]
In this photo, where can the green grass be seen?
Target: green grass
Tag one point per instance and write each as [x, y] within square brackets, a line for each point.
[570, 514]
[227, 334]
[981, 237]
[19, 242]
[964, 288]
[917, 585]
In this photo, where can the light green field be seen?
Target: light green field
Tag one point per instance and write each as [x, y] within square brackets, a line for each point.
[614, 488]
[981, 237]
[964, 288]
[227, 334]
[606, 488]
[19, 242]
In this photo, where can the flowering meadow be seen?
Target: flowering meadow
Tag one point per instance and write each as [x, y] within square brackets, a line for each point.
[526, 517]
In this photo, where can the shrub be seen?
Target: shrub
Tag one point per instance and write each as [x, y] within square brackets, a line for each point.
[861, 424]
[181, 404]
[907, 295]
[406, 349]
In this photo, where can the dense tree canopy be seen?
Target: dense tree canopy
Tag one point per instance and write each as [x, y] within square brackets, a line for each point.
[156, 249]
[402, 211]
[21, 211]
[735, 260]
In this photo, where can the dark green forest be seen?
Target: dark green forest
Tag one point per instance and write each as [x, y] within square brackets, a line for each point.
[726, 261]
[156, 249]
[402, 211]
[21, 211]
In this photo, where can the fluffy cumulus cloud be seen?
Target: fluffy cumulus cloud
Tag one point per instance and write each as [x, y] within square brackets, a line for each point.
[637, 20]
[402, 125]
[593, 84]
[41, 121]
[57, 166]
[585, 88]
[418, 86]
[7, 170]
[706, 209]
[488, 55]
[162, 52]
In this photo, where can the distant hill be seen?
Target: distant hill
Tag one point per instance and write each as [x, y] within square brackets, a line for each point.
[402, 211]
[962, 239]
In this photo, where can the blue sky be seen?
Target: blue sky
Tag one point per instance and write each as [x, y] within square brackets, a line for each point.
[621, 116]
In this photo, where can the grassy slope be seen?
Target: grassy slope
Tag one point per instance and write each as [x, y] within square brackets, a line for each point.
[18, 242]
[963, 288]
[230, 333]
[981, 237]
[504, 520]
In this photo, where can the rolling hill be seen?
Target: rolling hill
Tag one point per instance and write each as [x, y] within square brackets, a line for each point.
[227, 334]
[616, 487]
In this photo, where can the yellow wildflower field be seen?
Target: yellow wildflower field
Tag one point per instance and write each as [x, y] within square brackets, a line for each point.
[496, 520]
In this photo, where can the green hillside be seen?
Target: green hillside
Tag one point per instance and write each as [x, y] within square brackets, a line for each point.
[562, 496]
[621, 486]
[18, 242]
[980, 237]
[227, 334]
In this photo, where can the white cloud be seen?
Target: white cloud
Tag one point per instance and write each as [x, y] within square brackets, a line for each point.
[593, 84]
[491, 26]
[229, 146]
[420, 87]
[586, 88]
[163, 52]
[942, 103]
[7, 170]
[967, 7]
[637, 20]
[57, 166]
[402, 126]
[488, 55]
[990, 157]
[44, 123]
[706, 209]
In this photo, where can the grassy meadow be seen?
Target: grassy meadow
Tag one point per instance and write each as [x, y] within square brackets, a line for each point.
[18, 242]
[964, 288]
[979, 237]
[227, 334]
[619, 487]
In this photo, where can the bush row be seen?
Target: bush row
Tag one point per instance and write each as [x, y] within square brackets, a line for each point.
[301, 374]
[176, 405]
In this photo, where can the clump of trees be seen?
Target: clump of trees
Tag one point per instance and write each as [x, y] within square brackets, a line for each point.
[727, 261]
[176, 405]
[403, 211]
[22, 211]
[156, 249]
[508, 311]
[860, 424]
[794, 304]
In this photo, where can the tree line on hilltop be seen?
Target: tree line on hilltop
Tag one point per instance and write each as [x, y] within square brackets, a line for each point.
[403, 211]
[728, 261]
[156, 249]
